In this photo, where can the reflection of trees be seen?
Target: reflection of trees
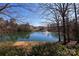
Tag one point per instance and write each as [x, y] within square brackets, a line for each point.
[0, 36]
[23, 34]
[27, 36]
[14, 36]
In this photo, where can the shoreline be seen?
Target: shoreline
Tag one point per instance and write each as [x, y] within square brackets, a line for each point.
[22, 43]
[28, 43]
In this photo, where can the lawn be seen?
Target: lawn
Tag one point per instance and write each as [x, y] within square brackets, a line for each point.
[37, 49]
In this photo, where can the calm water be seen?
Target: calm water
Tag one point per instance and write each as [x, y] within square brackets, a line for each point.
[34, 36]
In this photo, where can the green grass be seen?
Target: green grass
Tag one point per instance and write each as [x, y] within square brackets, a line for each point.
[49, 49]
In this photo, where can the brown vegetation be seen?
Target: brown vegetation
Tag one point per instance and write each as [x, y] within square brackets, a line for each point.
[12, 26]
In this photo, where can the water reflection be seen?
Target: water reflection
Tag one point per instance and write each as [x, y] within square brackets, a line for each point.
[32, 36]
[47, 33]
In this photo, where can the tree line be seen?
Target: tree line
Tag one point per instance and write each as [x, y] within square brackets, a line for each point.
[12, 26]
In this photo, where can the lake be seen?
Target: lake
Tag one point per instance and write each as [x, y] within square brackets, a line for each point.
[33, 36]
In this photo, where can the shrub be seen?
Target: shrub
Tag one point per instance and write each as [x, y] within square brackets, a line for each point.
[49, 50]
[13, 51]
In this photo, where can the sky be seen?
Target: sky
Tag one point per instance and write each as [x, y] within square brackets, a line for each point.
[31, 13]
[24, 13]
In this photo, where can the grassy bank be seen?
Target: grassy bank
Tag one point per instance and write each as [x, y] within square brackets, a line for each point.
[37, 49]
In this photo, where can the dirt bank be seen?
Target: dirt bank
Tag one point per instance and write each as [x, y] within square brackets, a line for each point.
[27, 43]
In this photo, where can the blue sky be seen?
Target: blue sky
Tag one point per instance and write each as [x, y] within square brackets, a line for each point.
[25, 12]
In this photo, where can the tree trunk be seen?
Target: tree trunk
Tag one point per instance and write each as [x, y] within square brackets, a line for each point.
[76, 25]
[67, 22]
[64, 29]
[58, 28]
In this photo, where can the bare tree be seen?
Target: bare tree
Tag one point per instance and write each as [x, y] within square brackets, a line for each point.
[61, 9]
[56, 16]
